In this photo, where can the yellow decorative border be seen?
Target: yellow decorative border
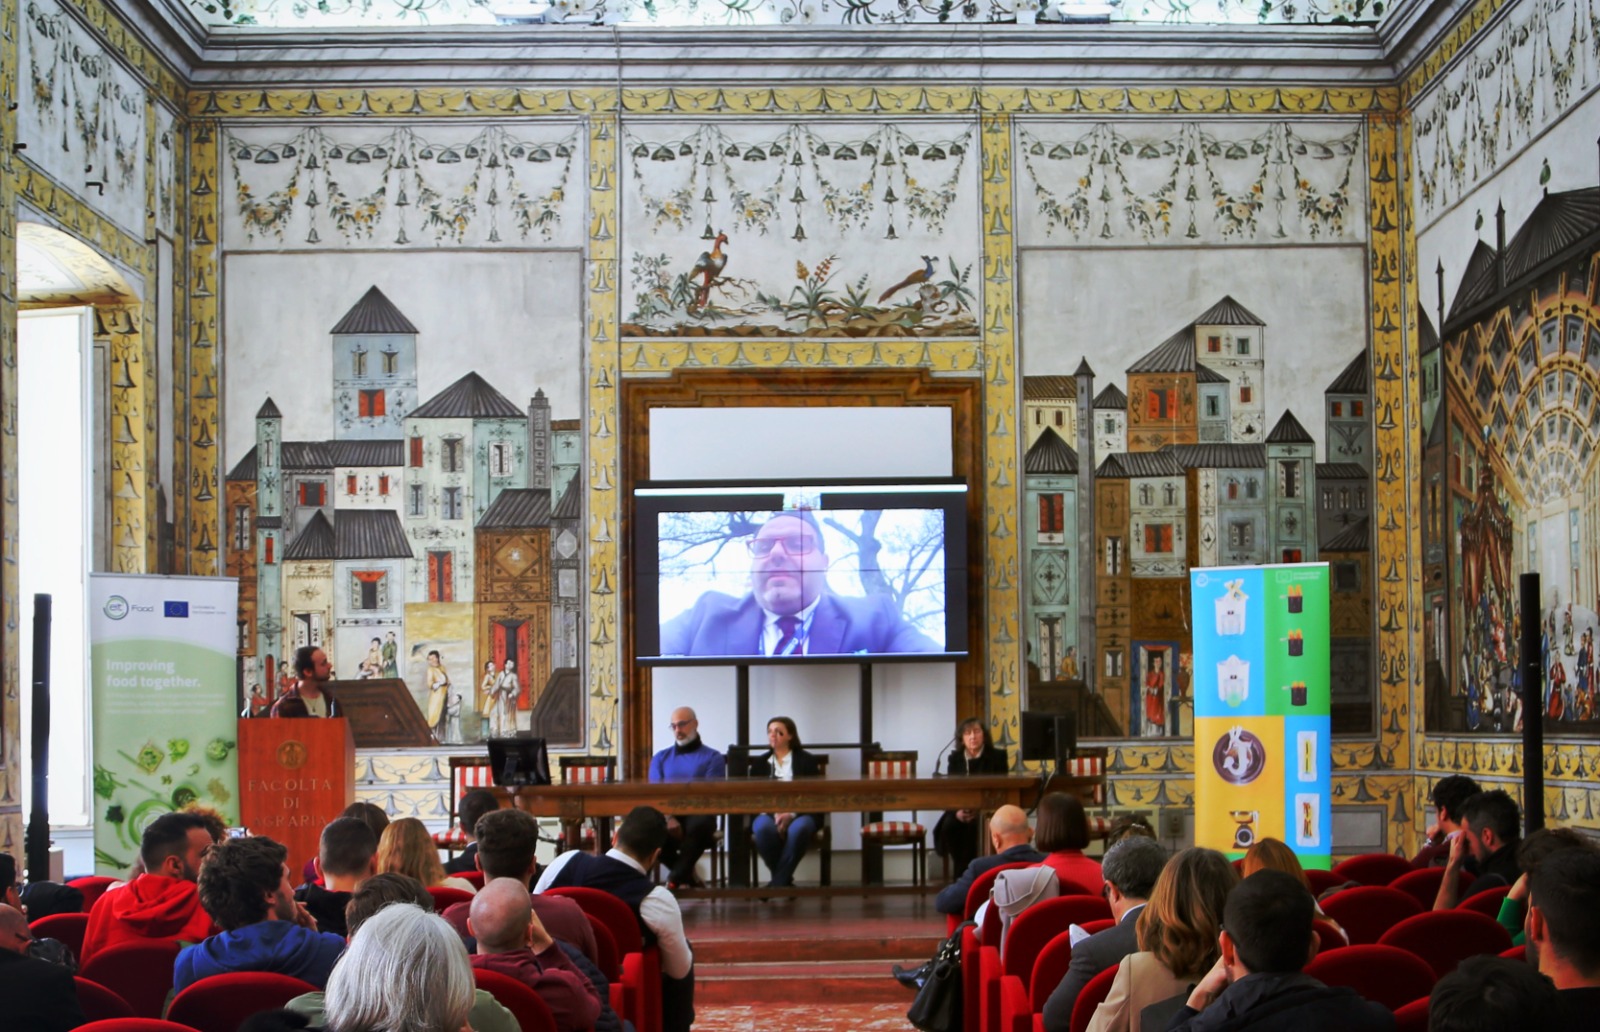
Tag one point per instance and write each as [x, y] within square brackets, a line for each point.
[603, 304]
[102, 18]
[197, 456]
[1447, 47]
[10, 587]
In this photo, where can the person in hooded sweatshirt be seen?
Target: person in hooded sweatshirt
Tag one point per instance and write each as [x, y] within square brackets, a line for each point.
[162, 903]
[245, 887]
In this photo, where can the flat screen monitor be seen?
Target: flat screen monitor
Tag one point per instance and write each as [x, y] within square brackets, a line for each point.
[786, 572]
[1049, 737]
[516, 762]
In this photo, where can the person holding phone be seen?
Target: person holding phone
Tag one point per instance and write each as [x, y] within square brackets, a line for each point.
[782, 839]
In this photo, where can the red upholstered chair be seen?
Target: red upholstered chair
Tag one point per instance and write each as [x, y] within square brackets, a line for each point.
[139, 972]
[977, 892]
[221, 1003]
[1413, 1017]
[1329, 936]
[1423, 885]
[1515, 953]
[98, 1002]
[93, 887]
[532, 1013]
[1382, 974]
[1043, 921]
[466, 774]
[1015, 1013]
[970, 972]
[641, 967]
[1486, 902]
[475, 877]
[1368, 911]
[444, 897]
[135, 1025]
[1373, 868]
[877, 833]
[990, 971]
[1092, 996]
[1444, 938]
[69, 928]
[1049, 968]
[607, 957]
[1322, 881]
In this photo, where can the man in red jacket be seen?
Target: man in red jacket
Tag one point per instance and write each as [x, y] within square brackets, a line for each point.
[162, 903]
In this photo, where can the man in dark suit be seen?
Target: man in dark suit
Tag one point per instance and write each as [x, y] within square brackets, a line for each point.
[1011, 838]
[790, 611]
[1130, 869]
[40, 996]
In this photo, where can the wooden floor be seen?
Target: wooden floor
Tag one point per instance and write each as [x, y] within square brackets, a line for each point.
[810, 963]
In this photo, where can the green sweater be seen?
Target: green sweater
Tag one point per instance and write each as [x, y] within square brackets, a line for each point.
[488, 1015]
[1510, 918]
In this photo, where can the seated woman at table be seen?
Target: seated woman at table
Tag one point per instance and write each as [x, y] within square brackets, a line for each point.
[956, 834]
[1062, 832]
[782, 839]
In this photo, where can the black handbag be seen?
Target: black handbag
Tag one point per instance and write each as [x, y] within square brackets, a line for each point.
[937, 1007]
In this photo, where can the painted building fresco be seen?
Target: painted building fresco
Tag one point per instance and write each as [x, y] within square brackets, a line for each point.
[865, 230]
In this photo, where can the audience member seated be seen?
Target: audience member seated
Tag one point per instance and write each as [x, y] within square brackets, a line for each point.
[1128, 825]
[687, 759]
[1177, 932]
[1270, 854]
[369, 814]
[621, 872]
[1131, 868]
[1490, 830]
[1011, 839]
[1257, 982]
[346, 857]
[47, 898]
[405, 970]
[38, 996]
[473, 805]
[512, 942]
[406, 847]
[783, 838]
[377, 892]
[161, 903]
[245, 887]
[1449, 795]
[1564, 932]
[956, 834]
[1062, 835]
[1494, 994]
[1531, 852]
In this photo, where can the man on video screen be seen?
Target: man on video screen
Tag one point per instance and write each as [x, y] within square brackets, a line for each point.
[789, 610]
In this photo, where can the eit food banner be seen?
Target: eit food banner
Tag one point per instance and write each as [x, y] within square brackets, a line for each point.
[1261, 708]
[162, 681]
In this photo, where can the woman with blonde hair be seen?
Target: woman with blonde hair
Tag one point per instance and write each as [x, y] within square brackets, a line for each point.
[406, 848]
[1270, 854]
[1177, 941]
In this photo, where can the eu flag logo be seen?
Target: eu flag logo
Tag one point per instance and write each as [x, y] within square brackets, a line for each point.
[175, 609]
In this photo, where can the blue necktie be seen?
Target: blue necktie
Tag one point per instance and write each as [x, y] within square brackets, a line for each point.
[788, 642]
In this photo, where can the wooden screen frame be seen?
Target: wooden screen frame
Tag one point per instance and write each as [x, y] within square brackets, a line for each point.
[785, 388]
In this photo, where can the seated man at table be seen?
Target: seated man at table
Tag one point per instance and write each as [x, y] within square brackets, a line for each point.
[621, 872]
[687, 759]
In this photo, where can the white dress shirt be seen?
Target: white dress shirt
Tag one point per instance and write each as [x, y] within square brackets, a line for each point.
[658, 910]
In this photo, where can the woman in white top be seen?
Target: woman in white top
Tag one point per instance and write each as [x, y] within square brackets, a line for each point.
[782, 839]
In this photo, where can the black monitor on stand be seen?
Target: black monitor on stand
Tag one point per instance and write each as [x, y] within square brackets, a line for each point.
[516, 762]
[1049, 738]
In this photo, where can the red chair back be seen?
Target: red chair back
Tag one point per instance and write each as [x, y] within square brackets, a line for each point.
[990, 972]
[1423, 885]
[1516, 953]
[1049, 968]
[1329, 936]
[1444, 938]
[1042, 922]
[134, 1025]
[1373, 868]
[445, 897]
[978, 892]
[93, 887]
[69, 928]
[611, 912]
[1015, 1014]
[99, 1003]
[1382, 974]
[1092, 996]
[475, 877]
[970, 979]
[221, 1003]
[1413, 1017]
[607, 958]
[532, 1013]
[1369, 911]
[1486, 902]
[1322, 881]
[140, 972]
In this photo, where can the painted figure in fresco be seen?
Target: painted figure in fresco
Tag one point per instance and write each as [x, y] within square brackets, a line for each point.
[1155, 696]
[1069, 664]
[1558, 692]
[706, 269]
[259, 703]
[1566, 630]
[1180, 693]
[1584, 674]
[507, 689]
[452, 719]
[372, 666]
[438, 688]
[486, 689]
[391, 656]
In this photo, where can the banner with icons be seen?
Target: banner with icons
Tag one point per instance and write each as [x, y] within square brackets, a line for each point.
[163, 691]
[1261, 697]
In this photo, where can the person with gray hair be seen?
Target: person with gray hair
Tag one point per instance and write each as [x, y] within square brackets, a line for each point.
[1130, 869]
[405, 971]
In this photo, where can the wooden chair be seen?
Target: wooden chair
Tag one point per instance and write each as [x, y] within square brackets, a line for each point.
[587, 770]
[878, 833]
[823, 839]
[466, 774]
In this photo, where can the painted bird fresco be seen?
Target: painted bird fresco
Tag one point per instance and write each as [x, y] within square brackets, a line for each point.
[708, 267]
[922, 275]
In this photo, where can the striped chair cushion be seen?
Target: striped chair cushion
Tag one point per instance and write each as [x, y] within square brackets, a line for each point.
[1085, 767]
[891, 770]
[1099, 827]
[467, 778]
[455, 838]
[594, 775]
[908, 830]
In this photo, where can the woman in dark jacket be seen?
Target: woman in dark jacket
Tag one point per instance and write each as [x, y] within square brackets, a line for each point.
[956, 834]
[782, 839]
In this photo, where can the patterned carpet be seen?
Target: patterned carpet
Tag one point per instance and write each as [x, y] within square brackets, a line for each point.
[774, 1017]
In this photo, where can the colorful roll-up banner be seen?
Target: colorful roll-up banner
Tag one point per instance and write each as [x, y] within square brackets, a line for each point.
[1261, 698]
[162, 661]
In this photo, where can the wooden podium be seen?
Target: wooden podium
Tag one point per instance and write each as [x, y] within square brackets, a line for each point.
[295, 775]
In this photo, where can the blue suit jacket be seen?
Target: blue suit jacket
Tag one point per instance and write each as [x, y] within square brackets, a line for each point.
[952, 899]
[721, 625]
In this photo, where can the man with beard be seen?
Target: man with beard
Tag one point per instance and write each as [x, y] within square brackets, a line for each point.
[162, 903]
[790, 611]
[687, 759]
[314, 671]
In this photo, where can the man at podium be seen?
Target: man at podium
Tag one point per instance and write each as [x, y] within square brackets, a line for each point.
[310, 696]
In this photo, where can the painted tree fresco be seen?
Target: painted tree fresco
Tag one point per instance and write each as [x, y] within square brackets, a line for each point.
[790, 230]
